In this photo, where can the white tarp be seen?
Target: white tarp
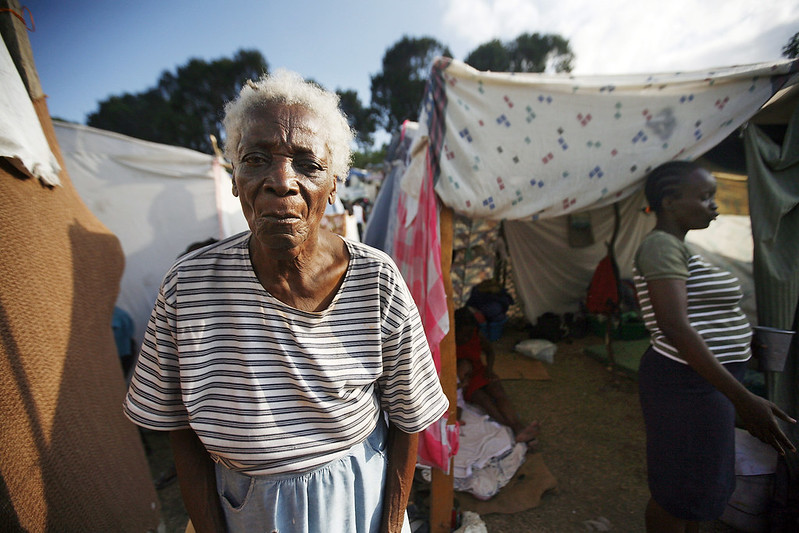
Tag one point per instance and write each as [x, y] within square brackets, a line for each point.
[554, 276]
[21, 135]
[157, 199]
[529, 146]
[525, 148]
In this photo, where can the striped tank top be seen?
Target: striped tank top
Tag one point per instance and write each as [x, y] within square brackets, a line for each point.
[713, 295]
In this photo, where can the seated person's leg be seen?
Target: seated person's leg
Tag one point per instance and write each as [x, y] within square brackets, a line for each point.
[498, 396]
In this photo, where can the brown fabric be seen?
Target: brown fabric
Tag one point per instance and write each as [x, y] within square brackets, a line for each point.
[69, 460]
[512, 365]
[522, 492]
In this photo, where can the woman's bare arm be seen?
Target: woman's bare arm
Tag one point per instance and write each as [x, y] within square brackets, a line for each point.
[401, 451]
[197, 481]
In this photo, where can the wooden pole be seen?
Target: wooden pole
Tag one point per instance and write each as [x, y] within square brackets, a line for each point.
[15, 36]
[442, 492]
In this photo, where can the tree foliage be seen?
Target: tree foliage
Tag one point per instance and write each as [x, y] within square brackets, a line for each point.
[186, 106]
[527, 53]
[369, 158]
[791, 48]
[360, 117]
[398, 89]
[492, 55]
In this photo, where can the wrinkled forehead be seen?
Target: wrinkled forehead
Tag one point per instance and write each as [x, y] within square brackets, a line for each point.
[289, 126]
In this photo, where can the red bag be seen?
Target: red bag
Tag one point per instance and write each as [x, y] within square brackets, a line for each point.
[603, 291]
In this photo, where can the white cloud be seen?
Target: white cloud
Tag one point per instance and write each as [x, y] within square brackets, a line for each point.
[622, 36]
[473, 22]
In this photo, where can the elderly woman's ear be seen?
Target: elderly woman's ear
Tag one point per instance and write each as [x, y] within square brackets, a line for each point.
[332, 198]
[235, 189]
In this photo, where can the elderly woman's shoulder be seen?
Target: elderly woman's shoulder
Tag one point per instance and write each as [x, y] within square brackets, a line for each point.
[233, 245]
[365, 251]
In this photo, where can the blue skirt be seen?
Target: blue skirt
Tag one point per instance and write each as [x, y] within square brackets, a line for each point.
[345, 495]
[690, 438]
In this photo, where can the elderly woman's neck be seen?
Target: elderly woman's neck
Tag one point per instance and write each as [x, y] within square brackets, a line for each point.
[306, 279]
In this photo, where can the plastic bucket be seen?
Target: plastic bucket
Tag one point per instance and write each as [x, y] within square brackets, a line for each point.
[771, 346]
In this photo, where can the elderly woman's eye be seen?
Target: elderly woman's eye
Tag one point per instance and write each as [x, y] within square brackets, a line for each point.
[255, 159]
[309, 165]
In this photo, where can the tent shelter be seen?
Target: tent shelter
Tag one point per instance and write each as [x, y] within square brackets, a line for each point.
[69, 460]
[157, 199]
[533, 150]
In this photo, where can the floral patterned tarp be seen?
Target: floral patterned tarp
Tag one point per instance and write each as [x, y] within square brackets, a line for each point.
[525, 147]
[516, 146]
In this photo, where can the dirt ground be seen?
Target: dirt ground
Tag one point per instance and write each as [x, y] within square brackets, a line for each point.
[592, 440]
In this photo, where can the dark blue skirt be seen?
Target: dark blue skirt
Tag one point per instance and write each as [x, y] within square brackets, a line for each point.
[690, 438]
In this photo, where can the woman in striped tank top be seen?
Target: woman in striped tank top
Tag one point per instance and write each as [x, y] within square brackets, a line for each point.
[689, 378]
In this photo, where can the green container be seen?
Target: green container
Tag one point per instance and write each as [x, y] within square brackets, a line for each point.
[630, 328]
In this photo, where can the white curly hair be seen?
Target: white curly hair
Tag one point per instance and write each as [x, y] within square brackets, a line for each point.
[289, 88]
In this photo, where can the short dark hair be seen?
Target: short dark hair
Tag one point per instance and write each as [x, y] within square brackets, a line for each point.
[665, 181]
[465, 319]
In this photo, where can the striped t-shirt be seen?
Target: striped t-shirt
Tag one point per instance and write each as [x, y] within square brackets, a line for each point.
[713, 296]
[271, 389]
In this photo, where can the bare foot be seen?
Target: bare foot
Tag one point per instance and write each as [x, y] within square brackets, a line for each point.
[529, 433]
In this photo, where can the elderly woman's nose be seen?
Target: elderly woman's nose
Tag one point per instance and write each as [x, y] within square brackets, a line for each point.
[282, 176]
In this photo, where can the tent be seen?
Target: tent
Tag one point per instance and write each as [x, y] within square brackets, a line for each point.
[157, 199]
[69, 460]
[546, 155]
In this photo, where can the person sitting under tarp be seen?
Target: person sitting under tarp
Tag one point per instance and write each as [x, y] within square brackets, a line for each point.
[482, 387]
[491, 299]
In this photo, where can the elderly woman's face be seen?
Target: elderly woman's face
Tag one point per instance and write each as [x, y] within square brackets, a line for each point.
[281, 175]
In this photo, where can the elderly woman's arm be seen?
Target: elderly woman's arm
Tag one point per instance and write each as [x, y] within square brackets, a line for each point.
[401, 449]
[670, 304]
[197, 481]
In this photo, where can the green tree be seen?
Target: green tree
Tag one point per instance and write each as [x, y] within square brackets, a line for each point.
[398, 89]
[360, 117]
[185, 107]
[527, 53]
[492, 55]
[368, 158]
[791, 49]
[146, 115]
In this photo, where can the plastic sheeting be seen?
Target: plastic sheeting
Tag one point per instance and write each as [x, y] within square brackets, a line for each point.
[528, 147]
[157, 199]
[550, 275]
[21, 135]
[520, 146]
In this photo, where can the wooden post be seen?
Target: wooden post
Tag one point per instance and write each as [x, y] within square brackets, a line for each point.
[442, 492]
[15, 36]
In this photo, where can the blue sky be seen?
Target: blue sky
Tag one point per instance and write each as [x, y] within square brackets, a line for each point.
[88, 50]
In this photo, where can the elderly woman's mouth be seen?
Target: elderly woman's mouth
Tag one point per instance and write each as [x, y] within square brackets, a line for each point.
[279, 217]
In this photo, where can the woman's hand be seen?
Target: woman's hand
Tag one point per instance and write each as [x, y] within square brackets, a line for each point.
[759, 417]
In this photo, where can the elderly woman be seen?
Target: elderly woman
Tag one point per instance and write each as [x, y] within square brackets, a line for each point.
[288, 364]
[689, 378]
